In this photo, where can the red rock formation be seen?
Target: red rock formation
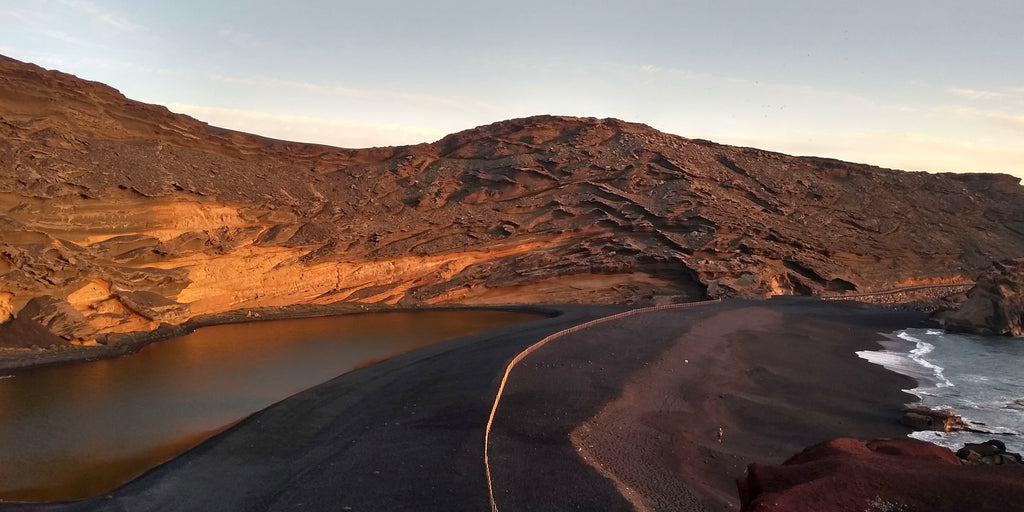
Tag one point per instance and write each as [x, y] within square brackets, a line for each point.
[102, 197]
[889, 475]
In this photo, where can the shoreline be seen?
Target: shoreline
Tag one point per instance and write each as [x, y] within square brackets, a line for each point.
[407, 425]
[16, 360]
[408, 433]
[924, 298]
[646, 423]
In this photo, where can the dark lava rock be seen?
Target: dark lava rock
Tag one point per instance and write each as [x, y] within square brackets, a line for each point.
[989, 452]
[58, 317]
[21, 333]
[923, 418]
[995, 306]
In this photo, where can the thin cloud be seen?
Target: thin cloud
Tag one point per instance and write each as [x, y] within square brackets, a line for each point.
[102, 16]
[247, 40]
[308, 129]
[974, 94]
[1005, 93]
[906, 150]
[1010, 120]
[16, 18]
[789, 88]
[37, 58]
[425, 100]
[31, 23]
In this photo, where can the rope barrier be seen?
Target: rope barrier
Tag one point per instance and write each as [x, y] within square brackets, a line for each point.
[519, 357]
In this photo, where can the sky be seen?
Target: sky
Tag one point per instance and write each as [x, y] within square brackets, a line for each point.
[932, 85]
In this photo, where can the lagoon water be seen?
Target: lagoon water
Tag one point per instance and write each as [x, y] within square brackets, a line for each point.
[980, 377]
[79, 430]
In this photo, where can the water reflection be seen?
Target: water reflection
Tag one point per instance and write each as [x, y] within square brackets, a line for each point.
[75, 431]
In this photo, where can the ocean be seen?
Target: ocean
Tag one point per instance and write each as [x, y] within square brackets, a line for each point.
[979, 377]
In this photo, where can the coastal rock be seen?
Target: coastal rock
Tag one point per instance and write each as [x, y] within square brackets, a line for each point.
[922, 418]
[103, 198]
[154, 306]
[883, 475]
[995, 306]
[58, 317]
[989, 452]
[6, 307]
[18, 333]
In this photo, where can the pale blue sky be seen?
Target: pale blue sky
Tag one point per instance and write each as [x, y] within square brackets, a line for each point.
[923, 85]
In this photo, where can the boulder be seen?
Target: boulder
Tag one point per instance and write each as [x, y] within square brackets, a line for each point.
[995, 306]
[20, 334]
[59, 317]
[154, 306]
[989, 452]
[922, 418]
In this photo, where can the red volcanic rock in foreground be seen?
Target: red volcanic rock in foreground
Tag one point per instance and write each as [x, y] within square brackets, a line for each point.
[120, 216]
[898, 475]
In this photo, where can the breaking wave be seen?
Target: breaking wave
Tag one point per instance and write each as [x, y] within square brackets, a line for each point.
[976, 376]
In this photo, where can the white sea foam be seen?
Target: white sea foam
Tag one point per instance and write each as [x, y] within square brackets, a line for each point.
[976, 376]
[905, 354]
[919, 353]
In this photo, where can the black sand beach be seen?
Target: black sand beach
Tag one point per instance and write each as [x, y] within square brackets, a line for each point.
[632, 404]
[640, 401]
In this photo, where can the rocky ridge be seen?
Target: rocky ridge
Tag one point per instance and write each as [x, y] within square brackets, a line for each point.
[117, 216]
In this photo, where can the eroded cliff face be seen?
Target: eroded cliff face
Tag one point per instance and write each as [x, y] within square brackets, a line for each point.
[994, 306]
[117, 216]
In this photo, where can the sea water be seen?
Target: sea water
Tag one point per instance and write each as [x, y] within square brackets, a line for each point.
[980, 377]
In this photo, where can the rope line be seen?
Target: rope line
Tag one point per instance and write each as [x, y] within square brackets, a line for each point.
[519, 357]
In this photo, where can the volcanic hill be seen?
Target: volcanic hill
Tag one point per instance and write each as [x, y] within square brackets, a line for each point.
[117, 216]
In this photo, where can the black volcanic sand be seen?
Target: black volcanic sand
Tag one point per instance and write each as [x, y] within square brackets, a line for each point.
[403, 434]
[407, 434]
[642, 399]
